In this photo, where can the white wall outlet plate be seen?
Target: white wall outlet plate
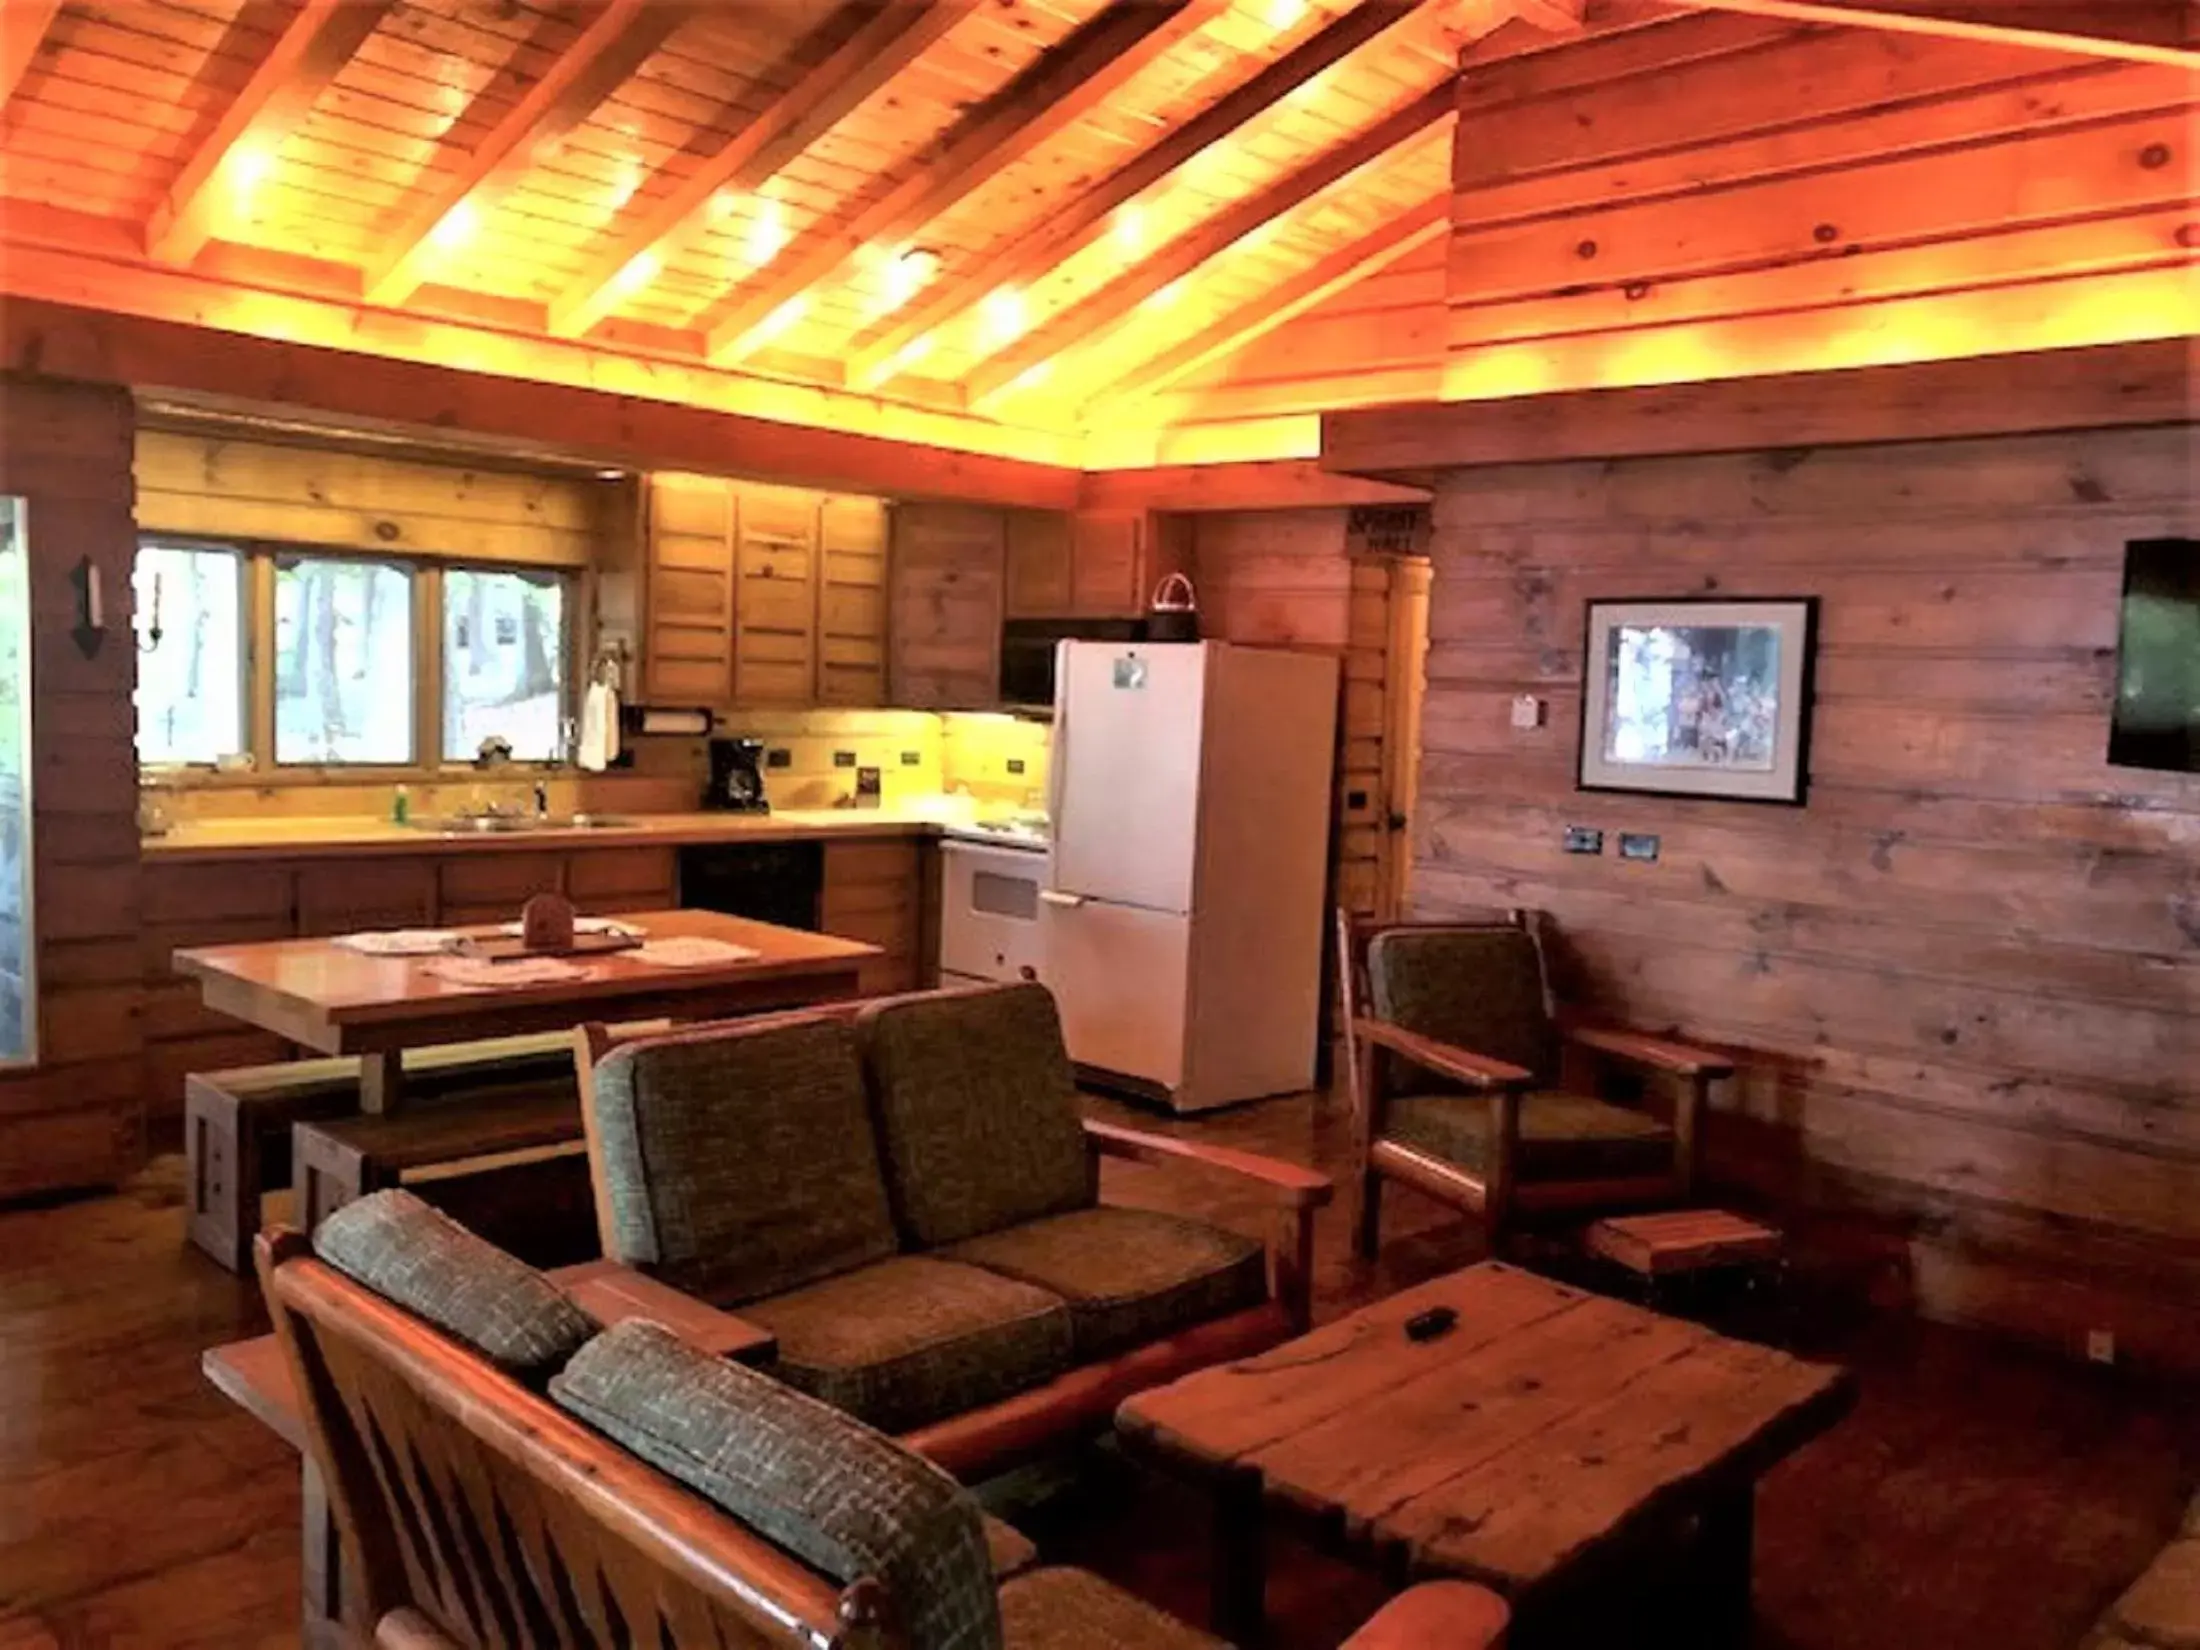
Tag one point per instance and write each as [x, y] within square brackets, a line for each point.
[2100, 1345]
[1527, 712]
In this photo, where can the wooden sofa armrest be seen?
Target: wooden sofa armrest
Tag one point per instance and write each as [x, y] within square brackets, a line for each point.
[1477, 1071]
[1290, 1183]
[1656, 1053]
[611, 1292]
[1453, 1614]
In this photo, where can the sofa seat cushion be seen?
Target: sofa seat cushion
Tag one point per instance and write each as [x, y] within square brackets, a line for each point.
[424, 1261]
[1129, 1275]
[740, 1162]
[828, 1489]
[1562, 1136]
[1075, 1610]
[1010, 1550]
[978, 1118]
[913, 1340]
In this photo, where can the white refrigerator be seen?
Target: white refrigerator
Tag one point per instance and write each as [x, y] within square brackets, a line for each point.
[1190, 790]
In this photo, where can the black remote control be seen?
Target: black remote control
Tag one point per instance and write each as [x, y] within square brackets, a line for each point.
[1427, 1326]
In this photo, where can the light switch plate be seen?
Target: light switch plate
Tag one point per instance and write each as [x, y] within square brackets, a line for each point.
[1527, 712]
[1637, 845]
[1584, 839]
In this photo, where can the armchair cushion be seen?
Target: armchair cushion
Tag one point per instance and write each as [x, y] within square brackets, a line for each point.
[424, 1261]
[741, 1164]
[1562, 1136]
[978, 1115]
[1480, 989]
[1129, 1275]
[825, 1487]
[913, 1340]
[1076, 1610]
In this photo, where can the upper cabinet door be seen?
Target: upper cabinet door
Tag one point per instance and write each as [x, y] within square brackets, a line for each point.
[688, 650]
[944, 610]
[851, 602]
[1108, 566]
[775, 596]
[1039, 583]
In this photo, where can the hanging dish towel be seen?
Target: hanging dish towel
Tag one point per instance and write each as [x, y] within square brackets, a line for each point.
[599, 742]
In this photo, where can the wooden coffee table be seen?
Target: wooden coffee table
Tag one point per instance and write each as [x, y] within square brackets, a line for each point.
[1548, 1428]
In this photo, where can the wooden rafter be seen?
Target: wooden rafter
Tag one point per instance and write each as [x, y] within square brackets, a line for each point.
[310, 52]
[1428, 222]
[1032, 252]
[2144, 31]
[23, 24]
[618, 39]
[1063, 86]
[892, 38]
[1180, 257]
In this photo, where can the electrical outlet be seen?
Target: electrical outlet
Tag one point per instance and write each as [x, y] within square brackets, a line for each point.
[912, 759]
[778, 758]
[1584, 839]
[2100, 1345]
[844, 759]
[1637, 845]
[1015, 764]
[1527, 712]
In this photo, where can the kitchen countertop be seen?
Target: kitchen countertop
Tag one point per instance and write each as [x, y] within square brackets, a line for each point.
[352, 837]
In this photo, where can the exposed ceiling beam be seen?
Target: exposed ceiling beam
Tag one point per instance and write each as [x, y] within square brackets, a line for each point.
[1428, 222]
[1059, 89]
[1186, 253]
[618, 39]
[2144, 31]
[310, 52]
[23, 24]
[1030, 253]
[893, 37]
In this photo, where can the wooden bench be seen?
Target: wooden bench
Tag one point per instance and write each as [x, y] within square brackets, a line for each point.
[510, 1164]
[237, 1123]
[1677, 1243]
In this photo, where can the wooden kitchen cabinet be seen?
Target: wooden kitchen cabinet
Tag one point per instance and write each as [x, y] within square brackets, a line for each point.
[1039, 580]
[946, 603]
[761, 595]
[1097, 564]
[874, 891]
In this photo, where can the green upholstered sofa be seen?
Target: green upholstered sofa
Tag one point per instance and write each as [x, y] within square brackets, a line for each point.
[504, 1471]
[2161, 1610]
[904, 1195]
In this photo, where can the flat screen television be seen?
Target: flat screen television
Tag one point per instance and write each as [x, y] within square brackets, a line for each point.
[2157, 716]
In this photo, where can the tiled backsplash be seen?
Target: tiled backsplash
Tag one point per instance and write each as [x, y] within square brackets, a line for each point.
[998, 759]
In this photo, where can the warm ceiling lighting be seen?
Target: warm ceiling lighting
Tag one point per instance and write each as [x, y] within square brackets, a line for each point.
[780, 319]
[1005, 316]
[638, 272]
[1130, 226]
[1283, 14]
[908, 274]
[1165, 296]
[249, 165]
[767, 233]
[911, 353]
[1031, 377]
[456, 227]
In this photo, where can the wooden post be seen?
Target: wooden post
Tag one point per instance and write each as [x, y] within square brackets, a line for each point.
[381, 1082]
[1240, 1611]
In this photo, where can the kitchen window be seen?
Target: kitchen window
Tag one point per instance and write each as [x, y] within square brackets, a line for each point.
[259, 659]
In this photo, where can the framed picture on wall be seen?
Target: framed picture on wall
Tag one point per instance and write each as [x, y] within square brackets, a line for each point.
[1699, 696]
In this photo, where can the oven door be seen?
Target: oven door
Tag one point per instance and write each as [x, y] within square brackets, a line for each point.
[989, 911]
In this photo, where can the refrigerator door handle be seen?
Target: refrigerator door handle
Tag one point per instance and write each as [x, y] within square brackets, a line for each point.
[1058, 753]
[1054, 896]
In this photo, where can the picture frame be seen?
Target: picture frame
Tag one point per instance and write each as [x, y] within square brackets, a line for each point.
[1699, 696]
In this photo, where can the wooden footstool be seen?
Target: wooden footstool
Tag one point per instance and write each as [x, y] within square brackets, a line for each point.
[1684, 1242]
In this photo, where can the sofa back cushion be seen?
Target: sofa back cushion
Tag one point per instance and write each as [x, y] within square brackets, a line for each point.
[1477, 988]
[424, 1261]
[978, 1117]
[739, 1163]
[844, 1499]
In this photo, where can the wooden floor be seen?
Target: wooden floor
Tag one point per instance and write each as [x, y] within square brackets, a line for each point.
[1982, 1497]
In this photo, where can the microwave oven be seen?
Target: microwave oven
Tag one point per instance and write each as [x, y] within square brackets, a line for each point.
[1027, 654]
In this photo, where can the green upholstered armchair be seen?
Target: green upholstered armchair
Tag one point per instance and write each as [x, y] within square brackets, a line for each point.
[1453, 1043]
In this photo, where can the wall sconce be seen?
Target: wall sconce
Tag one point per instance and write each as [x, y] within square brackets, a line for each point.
[91, 607]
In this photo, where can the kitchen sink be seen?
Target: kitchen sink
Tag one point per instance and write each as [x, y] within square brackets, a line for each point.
[508, 824]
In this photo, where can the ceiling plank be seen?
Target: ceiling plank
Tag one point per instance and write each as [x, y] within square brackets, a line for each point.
[892, 38]
[618, 39]
[2143, 31]
[1030, 253]
[310, 52]
[1426, 223]
[1111, 303]
[23, 24]
[1059, 89]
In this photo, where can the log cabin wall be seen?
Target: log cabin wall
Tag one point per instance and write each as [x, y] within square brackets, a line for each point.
[1965, 978]
[74, 1119]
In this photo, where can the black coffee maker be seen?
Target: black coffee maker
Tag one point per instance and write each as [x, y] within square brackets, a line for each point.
[736, 777]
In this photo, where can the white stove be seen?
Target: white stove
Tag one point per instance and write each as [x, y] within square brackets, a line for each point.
[990, 906]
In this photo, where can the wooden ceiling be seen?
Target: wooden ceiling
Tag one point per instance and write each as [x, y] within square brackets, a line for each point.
[976, 217]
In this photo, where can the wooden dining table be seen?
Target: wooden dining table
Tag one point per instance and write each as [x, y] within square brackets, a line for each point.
[339, 1000]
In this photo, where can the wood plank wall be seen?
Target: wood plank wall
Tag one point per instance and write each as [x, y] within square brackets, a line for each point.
[1722, 195]
[1967, 975]
[74, 1120]
[1284, 578]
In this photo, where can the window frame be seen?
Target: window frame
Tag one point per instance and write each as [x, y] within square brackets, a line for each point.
[245, 626]
[425, 575]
